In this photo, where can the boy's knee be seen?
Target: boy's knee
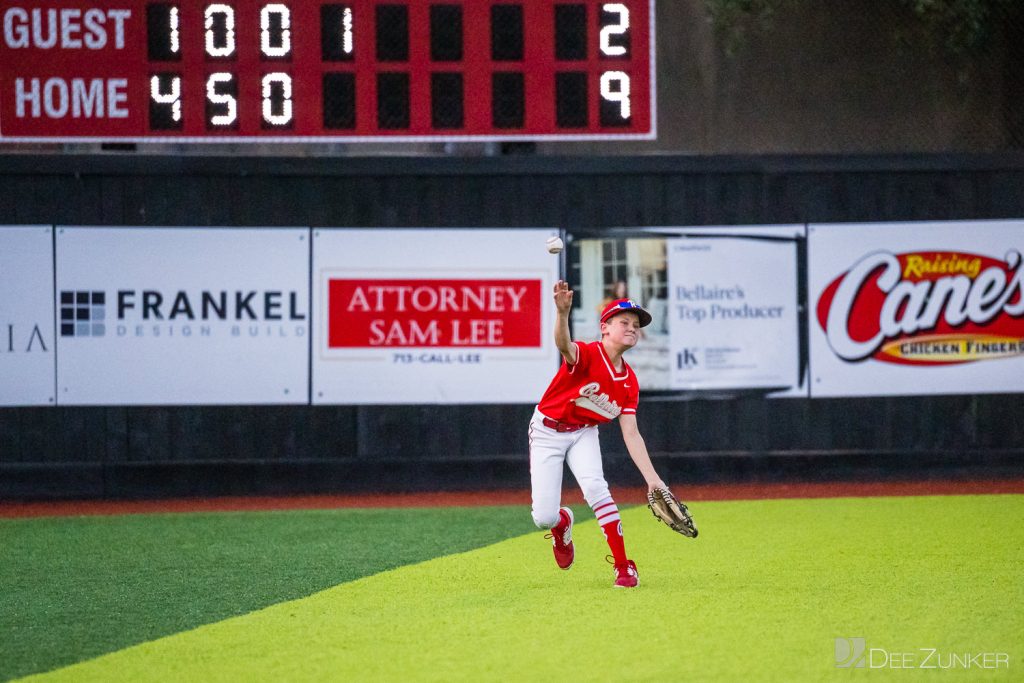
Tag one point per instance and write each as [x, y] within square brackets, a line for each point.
[545, 520]
[595, 491]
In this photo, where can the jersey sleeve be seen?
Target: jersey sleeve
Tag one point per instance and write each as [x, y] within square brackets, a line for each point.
[582, 359]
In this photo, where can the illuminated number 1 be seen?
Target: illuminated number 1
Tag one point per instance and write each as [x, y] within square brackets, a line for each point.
[615, 88]
[174, 37]
[220, 30]
[615, 29]
[346, 31]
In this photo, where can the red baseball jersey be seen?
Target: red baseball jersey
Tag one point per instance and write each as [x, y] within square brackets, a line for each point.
[591, 391]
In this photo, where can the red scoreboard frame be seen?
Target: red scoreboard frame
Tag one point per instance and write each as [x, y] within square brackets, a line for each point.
[325, 71]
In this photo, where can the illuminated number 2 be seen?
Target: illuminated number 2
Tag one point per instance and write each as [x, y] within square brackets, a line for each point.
[220, 35]
[615, 88]
[275, 41]
[615, 29]
[277, 95]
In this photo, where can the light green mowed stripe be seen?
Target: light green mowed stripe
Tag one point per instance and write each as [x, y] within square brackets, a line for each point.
[761, 595]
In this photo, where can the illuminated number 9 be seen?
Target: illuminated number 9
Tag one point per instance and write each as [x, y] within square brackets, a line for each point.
[618, 28]
[615, 88]
[222, 45]
[283, 43]
[284, 99]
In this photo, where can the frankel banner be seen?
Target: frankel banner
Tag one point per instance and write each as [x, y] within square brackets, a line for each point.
[182, 315]
[733, 309]
[916, 308]
[432, 316]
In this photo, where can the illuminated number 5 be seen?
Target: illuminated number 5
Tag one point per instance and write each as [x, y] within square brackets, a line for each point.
[618, 28]
[231, 111]
[615, 88]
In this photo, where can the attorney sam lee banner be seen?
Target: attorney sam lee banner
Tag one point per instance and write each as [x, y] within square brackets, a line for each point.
[432, 316]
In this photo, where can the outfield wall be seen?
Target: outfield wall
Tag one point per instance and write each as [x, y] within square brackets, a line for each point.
[182, 450]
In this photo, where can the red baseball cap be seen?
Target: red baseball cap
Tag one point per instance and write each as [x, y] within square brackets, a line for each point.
[625, 306]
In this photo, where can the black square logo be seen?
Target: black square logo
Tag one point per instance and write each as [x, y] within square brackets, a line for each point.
[82, 314]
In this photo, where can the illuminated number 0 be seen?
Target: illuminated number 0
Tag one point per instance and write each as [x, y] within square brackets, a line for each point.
[285, 46]
[224, 44]
[618, 28]
[285, 83]
[615, 88]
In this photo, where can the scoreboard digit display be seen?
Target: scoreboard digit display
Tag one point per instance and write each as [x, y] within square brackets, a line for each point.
[323, 71]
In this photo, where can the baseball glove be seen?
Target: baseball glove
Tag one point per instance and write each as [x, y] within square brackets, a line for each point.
[667, 508]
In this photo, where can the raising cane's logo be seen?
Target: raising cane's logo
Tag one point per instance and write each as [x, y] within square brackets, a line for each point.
[926, 308]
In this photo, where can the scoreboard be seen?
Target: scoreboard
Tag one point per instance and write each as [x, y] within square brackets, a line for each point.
[321, 71]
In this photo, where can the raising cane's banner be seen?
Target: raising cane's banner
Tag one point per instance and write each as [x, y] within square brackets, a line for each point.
[916, 308]
[432, 316]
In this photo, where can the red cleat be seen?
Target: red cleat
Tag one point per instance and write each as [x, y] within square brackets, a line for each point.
[626, 575]
[561, 539]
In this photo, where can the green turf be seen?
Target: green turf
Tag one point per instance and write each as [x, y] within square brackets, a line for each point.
[73, 588]
[761, 595]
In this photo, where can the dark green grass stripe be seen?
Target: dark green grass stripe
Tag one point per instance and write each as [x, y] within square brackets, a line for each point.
[75, 588]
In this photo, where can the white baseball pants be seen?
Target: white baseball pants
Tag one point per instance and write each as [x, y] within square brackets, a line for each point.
[549, 450]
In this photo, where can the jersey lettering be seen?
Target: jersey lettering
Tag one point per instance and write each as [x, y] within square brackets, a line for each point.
[593, 399]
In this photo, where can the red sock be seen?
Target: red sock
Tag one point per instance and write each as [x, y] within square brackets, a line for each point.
[613, 534]
[608, 517]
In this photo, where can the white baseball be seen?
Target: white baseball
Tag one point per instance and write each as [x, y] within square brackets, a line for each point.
[555, 245]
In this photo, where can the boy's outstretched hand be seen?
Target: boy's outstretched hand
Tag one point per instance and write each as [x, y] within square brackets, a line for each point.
[563, 297]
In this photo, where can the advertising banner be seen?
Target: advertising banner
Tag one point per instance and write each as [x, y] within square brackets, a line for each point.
[26, 316]
[916, 308]
[732, 312]
[177, 316]
[432, 316]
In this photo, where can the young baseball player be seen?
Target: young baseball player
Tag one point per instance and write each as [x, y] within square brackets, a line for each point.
[594, 385]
